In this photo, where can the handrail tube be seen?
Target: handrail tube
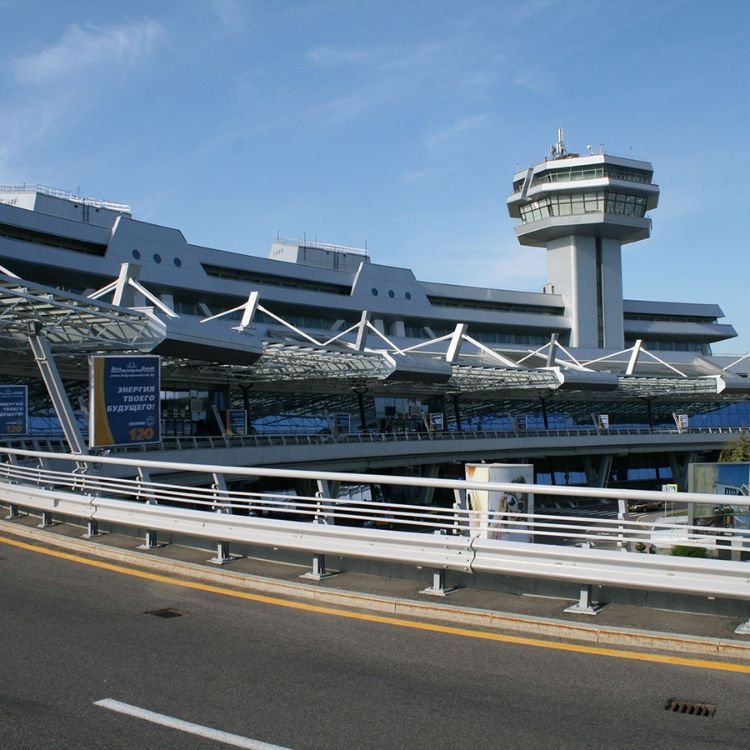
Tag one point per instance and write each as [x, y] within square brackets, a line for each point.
[358, 478]
[553, 527]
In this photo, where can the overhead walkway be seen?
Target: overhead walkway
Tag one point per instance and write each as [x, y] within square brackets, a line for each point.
[362, 451]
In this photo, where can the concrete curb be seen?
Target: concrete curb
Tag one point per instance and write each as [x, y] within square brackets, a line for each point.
[604, 637]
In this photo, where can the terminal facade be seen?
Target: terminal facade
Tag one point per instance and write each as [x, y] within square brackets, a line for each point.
[317, 331]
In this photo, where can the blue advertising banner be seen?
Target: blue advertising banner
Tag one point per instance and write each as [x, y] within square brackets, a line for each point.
[14, 410]
[124, 394]
[236, 422]
[342, 422]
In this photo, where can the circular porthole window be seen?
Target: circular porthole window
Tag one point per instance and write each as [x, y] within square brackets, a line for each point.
[137, 254]
[374, 292]
[407, 295]
[391, 294]
[157, 258]
[177, 262]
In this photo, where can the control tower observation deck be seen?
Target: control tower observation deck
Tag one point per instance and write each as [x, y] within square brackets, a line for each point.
[582, 209]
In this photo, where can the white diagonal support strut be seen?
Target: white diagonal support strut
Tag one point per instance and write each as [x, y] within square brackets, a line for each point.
[60, 401]
[457, 338]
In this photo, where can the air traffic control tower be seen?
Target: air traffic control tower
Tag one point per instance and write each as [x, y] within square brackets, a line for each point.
[582, 209]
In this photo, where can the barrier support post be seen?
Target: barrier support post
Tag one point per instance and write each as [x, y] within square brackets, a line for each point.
[222, 554]
[319, 570]
[144, 478]
[586, 605]
[151, 542]
[438, 587]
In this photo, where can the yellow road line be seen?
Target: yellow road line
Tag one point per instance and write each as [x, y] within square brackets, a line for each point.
[386, 620]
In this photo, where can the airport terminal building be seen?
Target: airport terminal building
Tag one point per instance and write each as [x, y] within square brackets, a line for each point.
[320, 339]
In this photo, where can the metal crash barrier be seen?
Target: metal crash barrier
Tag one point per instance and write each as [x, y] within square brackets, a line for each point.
[200, 500]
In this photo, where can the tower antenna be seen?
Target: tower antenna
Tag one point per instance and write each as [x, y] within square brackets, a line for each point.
[558, 149]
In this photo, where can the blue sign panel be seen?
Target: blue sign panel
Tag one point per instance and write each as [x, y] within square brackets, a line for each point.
[14, 410]
[437, 421]
[342, 422]
[125, 402]
[236, 423]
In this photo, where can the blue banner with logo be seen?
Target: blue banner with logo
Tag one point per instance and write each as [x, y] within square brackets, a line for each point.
[124, 394]
[342, 422]
[236, 422]
[14, 410]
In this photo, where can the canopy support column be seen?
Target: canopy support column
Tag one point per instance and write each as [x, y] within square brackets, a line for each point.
[60, 401]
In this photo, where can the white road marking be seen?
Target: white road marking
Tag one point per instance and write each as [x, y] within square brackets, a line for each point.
[235, 740]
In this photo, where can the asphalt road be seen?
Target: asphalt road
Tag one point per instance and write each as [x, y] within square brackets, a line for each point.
[72, 635]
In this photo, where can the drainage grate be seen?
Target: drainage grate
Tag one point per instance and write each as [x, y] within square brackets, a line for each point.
[690, 707]
[165, 613]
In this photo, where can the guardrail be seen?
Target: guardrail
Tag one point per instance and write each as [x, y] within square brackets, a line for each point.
[261, 440]
[584, 549]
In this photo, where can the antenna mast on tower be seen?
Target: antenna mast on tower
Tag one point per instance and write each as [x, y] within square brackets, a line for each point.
[557, 150]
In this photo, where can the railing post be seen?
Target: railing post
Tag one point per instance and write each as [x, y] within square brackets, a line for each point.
[144, 477]
[585, 605]
[12, 508]
[151, 542]
[322, 514]
[222, 554]
[319, 570]
[438, 587]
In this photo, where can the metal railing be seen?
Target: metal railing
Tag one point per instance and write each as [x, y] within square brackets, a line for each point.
[200, 501]
[260, 440]
[58, 193]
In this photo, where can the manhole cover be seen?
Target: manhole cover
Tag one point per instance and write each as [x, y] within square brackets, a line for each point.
[691, 707]
[165, 613]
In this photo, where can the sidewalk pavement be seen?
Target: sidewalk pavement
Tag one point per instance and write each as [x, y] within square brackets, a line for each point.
[614, 626]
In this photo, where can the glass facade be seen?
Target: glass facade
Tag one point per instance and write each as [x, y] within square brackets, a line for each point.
[575, 204]
[672, 346]
[598, 171]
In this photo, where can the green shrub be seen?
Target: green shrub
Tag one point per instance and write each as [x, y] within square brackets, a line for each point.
[682, 550]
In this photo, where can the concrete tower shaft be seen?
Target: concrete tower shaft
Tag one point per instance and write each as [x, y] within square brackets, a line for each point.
[582, 209]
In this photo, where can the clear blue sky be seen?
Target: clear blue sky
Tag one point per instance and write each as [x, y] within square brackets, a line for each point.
[395, 124]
